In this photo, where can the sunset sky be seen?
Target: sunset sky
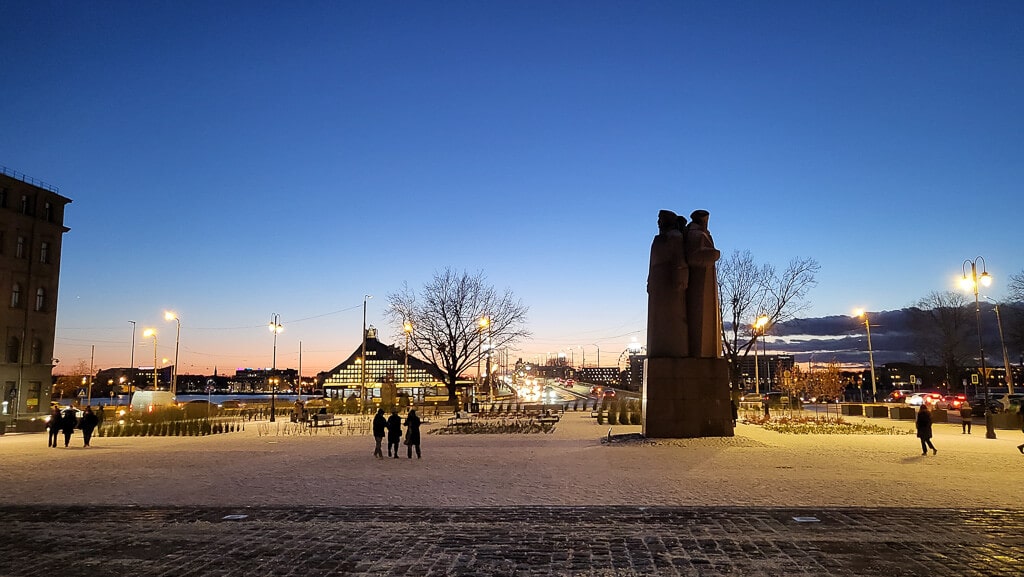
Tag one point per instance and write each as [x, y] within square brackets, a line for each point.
[230, 160]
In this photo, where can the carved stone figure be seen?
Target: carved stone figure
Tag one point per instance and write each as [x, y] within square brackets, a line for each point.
[705, 339]
[666, 289]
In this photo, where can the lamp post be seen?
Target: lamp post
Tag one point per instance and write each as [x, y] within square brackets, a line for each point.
[362, 366]
[972, 283]
[407, 329]
[131, 368]
[871, 354]
[484, 323]
[152, 333]
[170, 316]
[275, 327]
[598, 347]
[1006, 357]
[759, 325]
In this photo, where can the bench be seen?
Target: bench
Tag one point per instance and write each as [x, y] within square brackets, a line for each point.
[548, 419]
[325, 420]
[459, 421]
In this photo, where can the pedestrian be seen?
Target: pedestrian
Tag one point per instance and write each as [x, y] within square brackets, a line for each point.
[966, 417]
[735, 410]
[412, 433]
[394, 432]
[68, 422]
[924, 430]
[764, 402]
[88, 424]
[380, 424]
[53, 426]
[1020, 412]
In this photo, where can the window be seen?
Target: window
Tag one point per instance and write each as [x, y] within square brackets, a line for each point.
[13, 349]
[24, 204]
[48, 212]
[3, 197]
[20, 251]
[16, 296]
[37, 351]
[40, 299]
[44, 252]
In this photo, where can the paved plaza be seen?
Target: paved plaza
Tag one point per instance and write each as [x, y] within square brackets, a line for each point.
[272, 500]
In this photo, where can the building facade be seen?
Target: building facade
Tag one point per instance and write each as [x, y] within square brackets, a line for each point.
[420, 380]
[31, 233]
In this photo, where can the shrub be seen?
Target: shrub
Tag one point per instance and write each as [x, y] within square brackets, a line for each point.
[623, 412]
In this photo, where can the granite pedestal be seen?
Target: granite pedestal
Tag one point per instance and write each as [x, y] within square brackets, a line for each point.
[686, 398]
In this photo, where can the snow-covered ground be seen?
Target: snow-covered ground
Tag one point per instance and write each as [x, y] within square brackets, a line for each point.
[267, 464]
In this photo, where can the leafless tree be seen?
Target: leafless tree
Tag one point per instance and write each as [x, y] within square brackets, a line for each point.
[748, 290]
[942, 323]
[446, 315]
[1013, 315]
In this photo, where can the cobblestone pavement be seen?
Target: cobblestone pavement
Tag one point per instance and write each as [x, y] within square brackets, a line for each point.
[520, 541]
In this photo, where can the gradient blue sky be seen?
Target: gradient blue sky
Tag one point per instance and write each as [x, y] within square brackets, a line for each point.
[229, 160]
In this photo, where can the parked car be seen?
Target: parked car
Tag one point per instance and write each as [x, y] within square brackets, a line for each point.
[918, 399]
[776, 399]
[1010, 403]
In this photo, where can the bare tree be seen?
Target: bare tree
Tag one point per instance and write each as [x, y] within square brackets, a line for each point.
[446, 317]
[942, 326]
[748, 290]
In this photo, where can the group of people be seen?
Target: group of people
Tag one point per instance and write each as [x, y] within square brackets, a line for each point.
[392, 427]
[923, 424]
[67, 421]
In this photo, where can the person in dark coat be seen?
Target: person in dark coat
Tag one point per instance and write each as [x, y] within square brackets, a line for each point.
[394, 432]
[68, 422]
[412, 433]
[966, 416]
[380, 425]
[54, 427]
[924, 430]
[88, 424]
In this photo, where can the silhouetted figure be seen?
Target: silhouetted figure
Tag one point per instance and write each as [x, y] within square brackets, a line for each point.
[924, 430]
[88, 424]
[53, 427]
[68, 422]
[394, 432]
[412, 433]
[966, 417]
[380, 425]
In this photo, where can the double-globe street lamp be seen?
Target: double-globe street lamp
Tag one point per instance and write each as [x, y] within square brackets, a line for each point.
[972, 283]
[275, 327]
[871, 354]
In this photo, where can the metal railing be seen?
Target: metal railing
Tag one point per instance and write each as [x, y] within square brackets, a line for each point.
[28, 179]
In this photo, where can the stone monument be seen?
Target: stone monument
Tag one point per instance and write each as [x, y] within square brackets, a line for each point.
[686, 380]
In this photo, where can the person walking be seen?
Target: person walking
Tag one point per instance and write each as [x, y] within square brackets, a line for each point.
[412, 433]
[1020, 411]
[394, 432]
[924, 430]
[966, 417]
[88, 424]
[68, 422]
[380, 425]
[53, 427]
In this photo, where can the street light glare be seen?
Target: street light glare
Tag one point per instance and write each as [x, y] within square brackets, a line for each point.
[986, 279]
[149, 333]
[407, 327]
[761, 321]
[858, 313]
[170, 316]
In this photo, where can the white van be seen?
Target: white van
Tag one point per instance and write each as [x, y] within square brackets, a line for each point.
[146, 401]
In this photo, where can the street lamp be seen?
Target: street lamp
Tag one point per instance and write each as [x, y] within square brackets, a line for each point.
[362, 366]
[972, 283]
[275, 327]
[170, 316]
[484, 323]
[1006, 357]
[131, 368]
[871, 354]
[598, 354]
[152, 333]
[759, 325]
[407, 329]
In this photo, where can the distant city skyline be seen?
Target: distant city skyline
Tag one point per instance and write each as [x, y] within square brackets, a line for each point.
[230, 161]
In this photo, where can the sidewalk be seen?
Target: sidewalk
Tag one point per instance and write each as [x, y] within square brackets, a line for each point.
[565, 503]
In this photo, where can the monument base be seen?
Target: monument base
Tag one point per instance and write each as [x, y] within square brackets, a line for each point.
[686, 398]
